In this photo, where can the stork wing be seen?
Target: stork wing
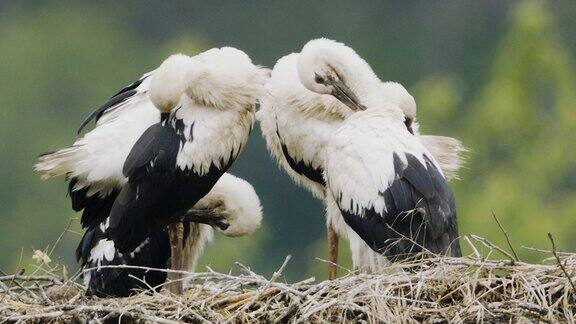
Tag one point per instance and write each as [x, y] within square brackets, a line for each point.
[116, 100]
[95, 250]
[392, 194]
[93, 164]
[300, 166]
[143, 204]
[155, 151]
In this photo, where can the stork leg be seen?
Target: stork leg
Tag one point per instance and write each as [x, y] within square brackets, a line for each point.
[176, 233]
[332, 238]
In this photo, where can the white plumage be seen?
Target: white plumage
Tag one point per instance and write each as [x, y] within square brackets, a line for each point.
[299, 119]
[364, 146]
[234, 200]
[97, 158]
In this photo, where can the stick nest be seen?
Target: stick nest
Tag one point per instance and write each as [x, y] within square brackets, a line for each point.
[430, 290]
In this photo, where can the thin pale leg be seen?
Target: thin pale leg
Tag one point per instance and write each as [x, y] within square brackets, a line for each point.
[332, 238]
[176, 233]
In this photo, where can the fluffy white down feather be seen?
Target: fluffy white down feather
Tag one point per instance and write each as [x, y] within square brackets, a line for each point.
[294, 112]
[96, 159]
[235, 200]
[364, 146]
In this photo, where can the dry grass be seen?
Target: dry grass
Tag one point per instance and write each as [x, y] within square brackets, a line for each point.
[439, 289]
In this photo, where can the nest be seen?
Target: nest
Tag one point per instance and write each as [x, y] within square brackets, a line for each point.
[428, 290]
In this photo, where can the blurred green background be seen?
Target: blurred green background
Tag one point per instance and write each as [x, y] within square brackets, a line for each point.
[499, 75]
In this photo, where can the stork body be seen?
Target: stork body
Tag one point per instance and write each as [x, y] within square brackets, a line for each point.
[159, 145]
[298, 124]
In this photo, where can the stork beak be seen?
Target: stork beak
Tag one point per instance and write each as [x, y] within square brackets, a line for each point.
[343, 93]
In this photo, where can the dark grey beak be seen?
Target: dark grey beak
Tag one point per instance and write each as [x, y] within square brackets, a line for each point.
[346, 96]
[205, 216]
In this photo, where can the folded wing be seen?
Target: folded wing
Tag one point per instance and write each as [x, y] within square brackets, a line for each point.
[392, 193]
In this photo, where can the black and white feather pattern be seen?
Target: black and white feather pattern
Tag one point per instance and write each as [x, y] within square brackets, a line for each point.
[182, 153]
[96, 251]
[158, 191]
[389, 189]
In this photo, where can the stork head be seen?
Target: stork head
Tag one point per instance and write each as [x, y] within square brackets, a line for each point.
[235, 202]
[329, 67]
[170, 80]
[393, 94]
[229, 80]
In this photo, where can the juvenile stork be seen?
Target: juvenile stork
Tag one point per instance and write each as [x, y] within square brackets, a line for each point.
[160, 144]
[389, 188]
[297, 125]
[232, 207]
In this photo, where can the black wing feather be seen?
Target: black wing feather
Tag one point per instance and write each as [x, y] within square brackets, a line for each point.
[150, 167]
[420, 214]
[158, 192]
[123, 282]
[300, 167]
[158, 145]
[121, 96]
[95, 209]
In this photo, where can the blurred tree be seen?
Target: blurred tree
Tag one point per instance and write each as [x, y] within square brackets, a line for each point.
[520, 128]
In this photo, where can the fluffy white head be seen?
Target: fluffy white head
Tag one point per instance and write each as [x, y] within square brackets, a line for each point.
[324, 63]
[236, 200]
[394, 93]
[170, 80]
[393, 97]
[286, 90]
[228, 80]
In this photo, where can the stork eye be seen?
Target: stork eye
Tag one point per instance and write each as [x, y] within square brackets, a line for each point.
[408, 123]
[318, 78]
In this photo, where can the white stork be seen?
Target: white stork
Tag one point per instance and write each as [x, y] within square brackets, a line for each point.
[232, 207]
[298, 124]
[160, 144]
[386, 183]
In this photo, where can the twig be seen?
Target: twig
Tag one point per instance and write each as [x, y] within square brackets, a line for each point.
[14, 280]
[476, 253]
[275, 276]
[31, 278]
[560, 263]
[495, 247]
[288, 314]
[60, 237]
[505, 235]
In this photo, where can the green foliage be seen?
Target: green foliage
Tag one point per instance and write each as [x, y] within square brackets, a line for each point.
[519, 127]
